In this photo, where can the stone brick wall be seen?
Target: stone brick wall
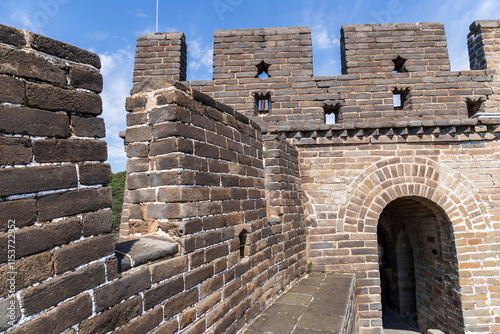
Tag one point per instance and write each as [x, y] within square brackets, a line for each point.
[450, 216]
[484, 49]
[55, 241]
[200, 172]
[160, 55]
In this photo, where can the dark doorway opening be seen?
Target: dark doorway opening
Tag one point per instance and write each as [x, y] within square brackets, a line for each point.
[417, 238]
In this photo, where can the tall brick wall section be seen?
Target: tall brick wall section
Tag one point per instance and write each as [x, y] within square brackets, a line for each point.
[55, 241]
[451, 216]
[484, 54]
[197, 171]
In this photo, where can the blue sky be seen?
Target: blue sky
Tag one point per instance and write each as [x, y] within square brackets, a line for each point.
[110, 27]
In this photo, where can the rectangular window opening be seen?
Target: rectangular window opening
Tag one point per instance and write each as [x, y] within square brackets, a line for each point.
[332, 114]
[398, 101]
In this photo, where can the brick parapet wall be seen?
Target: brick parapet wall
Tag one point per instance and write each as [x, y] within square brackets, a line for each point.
[197, 171]
[484, 54]
[54, 202]
[160, 55]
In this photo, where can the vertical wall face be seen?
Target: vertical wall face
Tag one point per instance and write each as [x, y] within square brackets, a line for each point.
[55, 241]
[484, 54]
[201, 173]
[371, 48]
[160, 55]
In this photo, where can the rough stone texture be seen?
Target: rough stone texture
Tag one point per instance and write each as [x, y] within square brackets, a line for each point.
[140, 251]
[88, 127]
[10, 312]
[21, 212]
[15, 151]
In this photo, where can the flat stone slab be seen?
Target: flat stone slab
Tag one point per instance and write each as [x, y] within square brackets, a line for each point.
[316, 304]
[132, 253]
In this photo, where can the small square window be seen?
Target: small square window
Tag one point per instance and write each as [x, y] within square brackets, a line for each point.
[262, 102]
[332, 113]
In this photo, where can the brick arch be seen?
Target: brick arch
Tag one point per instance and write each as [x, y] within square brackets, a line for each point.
[389, 179]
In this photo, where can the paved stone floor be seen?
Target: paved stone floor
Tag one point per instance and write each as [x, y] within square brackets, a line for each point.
[306, 308]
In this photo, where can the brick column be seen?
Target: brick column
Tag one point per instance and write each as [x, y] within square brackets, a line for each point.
[55, 217]
[161, 55]
[484, 54]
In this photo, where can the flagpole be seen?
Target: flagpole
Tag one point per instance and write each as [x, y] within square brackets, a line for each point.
[157, 15]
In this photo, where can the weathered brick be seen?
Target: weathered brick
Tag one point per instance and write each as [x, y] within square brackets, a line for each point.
[197, 276]
[36, 239]
[35, 179]
[168, 268]
[74, 255]
[112, 318]
[50, 293]
[88, 126]
[84, 77]
[12, 90]
[54, 98]
[73, 202]
[181, 302]
[99, 222]
[64, 50]
[22, 212]
[92, 173]
[12, 36]
[67, 150]
[143, 324]
[14, 63]
[162, 292]
[60, 318]
[15, 151]
[29, 270]
[33, 122]
[125, 287]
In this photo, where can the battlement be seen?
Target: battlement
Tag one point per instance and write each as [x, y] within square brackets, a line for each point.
[391, 73]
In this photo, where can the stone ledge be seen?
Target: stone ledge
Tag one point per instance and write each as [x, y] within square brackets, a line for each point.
[133, 253]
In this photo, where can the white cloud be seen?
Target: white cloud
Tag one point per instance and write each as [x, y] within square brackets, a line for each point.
[24, 18]
[116, 69]
[200, 59]
[322, 39]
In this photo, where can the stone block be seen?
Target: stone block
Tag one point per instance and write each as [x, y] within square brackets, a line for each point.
[54, 98]
[125, 287]
[50, 293]
[112, 318]
[10, 312]
[73, 202]
[33, 122]
[12, 36]
[12, 90]
[59, 318]
[22, 211]
[144, 324]
[143, 250]
[35, 179]
[135, 103]
[99, 222]
[36, 239]
[94, 173]
[197, 276]
[30, 270]
[74, 255]
[67, 150]
[162, 292]
[138, 134]
[181, 302]
[14, 63]
[88, 126]
[15, 151]
[64, 50]
[84, 77]
[168, 268]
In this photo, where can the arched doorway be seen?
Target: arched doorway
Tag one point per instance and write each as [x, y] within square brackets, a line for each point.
[419, 242]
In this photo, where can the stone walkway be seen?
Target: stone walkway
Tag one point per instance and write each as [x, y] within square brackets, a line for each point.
[317, 304]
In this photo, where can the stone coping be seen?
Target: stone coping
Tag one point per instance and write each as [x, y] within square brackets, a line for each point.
[133, 253]
[317, 303]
